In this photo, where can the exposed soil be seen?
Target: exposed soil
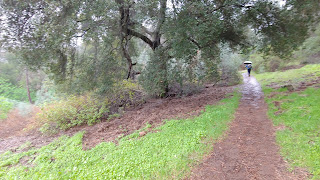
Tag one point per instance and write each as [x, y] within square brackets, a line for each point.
[17, 124]
[154, 112]
[249, 151]
[303, 85]
[294, 87]
[292, 67]
[18, 129]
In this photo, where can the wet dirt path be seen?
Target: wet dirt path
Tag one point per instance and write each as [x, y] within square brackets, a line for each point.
[249, 151]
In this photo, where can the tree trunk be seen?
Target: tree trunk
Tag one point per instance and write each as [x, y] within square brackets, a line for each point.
[124, 48]
[163, 69]
[96, 50]
[164, 79]
[129, 70]
[27, 85]
[128, 30]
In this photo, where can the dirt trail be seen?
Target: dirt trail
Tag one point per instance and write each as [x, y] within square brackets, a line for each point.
[17, 124]
[249, 151]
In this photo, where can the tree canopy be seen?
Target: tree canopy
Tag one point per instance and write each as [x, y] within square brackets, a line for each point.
[91, 43]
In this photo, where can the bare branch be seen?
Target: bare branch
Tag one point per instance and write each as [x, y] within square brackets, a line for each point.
[83, 33]
[162, 15]
[141, 36]
[81, 20]
[146, 30]
[194, 42]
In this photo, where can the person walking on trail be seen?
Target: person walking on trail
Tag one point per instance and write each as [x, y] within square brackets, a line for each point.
[249, 67]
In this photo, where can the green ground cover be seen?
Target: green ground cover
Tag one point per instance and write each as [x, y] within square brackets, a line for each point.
[298, 116]
[5, 107]
[13, 92]
[293, 76]
[166, 153]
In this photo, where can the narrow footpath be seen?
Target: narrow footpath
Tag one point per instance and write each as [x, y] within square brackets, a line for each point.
[249, 151]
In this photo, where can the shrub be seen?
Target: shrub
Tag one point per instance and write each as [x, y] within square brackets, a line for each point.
[309, 52]
[230, 62]
[76, 110]
[163, 76]
[47, 92]
[125, 93]
[154, 78]
[24, 108]
[10, 91]
[88, 109]
[5, 107]
[269, 63]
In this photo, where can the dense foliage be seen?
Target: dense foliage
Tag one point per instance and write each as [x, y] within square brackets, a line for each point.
[74, 111]
[307, 53]
[87, 109]
[5, 107]
[89, 45]
[22, 81]
[13, 92]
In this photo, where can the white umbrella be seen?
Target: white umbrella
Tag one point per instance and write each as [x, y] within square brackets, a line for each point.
[247, 62]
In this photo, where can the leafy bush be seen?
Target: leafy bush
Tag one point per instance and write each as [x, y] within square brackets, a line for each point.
[5, 107]
[268, 63]
[46, 93]
[88, 109]
[24, 108]
[230, 62]
[309, 52]
[10, 91]
[170, 77]
[154, 78]
[75, 110]
[124, 93]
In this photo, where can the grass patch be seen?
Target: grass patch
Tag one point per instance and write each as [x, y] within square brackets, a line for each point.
[165, 154]
[294, 76]
[299, 114]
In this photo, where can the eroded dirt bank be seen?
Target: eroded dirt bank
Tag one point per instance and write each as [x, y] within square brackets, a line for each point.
[249, 151]
[154, 112]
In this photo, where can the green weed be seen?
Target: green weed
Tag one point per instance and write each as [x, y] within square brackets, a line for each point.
[299, 115]
[165, 154]
[300, 140]
[13, 92]
[5, 107]
[75, 110]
